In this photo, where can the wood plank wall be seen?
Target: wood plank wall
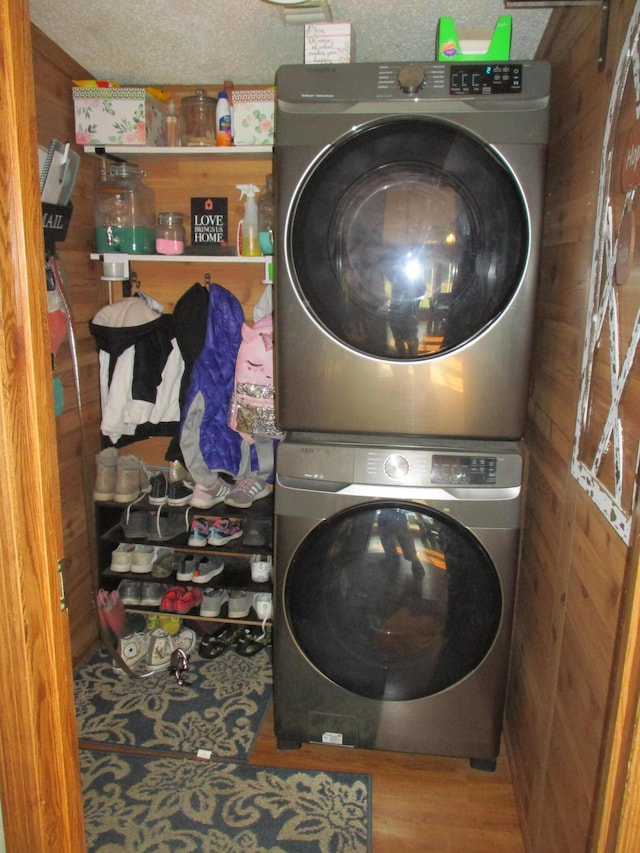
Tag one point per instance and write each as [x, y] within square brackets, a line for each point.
[573, 563]
[78, 426]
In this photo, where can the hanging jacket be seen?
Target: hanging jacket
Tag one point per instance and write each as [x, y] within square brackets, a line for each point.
[252, 412]
[207, 441]
[140, 371]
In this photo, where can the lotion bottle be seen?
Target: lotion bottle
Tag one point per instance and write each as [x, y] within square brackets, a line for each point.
[250, 246]
[223, 120]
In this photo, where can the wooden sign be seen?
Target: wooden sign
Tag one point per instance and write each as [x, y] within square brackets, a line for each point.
[209, 222]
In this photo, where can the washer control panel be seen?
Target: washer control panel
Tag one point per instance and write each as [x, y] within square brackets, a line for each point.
[449, 470]
[486, 79]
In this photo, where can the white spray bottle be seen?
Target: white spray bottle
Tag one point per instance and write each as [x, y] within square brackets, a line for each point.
[249, 245]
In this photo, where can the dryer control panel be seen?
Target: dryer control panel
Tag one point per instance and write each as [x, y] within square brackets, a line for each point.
[486, 79]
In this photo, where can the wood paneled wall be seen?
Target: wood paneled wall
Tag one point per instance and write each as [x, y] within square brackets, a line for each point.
[78, 426]
[573, 563]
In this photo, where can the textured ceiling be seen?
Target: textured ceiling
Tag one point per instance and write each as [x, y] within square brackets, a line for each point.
[200, 41]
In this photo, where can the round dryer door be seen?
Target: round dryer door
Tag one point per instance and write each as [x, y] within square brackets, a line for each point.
[408, 238]
[393, 602]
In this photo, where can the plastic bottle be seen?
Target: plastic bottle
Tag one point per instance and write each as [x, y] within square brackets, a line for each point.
[223, 120]
[250, 247]
[266, 216]
[173, 137]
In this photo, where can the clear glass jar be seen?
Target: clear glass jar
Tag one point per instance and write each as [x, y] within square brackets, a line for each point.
[198, 119]
[170, 234]
[125, 212]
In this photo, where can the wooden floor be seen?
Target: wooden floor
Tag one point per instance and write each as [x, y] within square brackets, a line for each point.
[421, 804]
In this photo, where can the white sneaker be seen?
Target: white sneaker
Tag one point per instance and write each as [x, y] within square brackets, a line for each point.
[121, 557]
[260, 568]
[142, 559]
[263, 605]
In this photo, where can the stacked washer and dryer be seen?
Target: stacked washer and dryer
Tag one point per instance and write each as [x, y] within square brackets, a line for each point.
[409, 216]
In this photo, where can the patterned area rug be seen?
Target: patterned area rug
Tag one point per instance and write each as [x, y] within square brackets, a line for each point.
[220, 710]
[139, 803]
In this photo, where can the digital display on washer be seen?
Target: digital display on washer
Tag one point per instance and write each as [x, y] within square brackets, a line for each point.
[485, 79]
[463, 470]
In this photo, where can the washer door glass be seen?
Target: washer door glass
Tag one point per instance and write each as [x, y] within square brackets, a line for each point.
[408, 238]
[393, 601]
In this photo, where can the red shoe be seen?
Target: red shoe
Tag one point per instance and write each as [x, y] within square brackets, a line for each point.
[189, 599]
[171, 598]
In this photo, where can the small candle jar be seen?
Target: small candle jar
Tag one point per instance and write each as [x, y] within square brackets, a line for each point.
[170, 234]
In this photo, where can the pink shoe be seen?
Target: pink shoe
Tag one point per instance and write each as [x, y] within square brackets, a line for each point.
[204, 497]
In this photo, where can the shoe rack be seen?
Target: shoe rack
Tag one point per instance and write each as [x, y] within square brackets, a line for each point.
[236, 555]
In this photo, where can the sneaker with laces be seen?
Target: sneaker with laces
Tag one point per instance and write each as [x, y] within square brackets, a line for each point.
[246, 491]
[133, 648]
[260, 567]
[198, 533]
[223, 530]
[180, 494]
[207, 568]
[122, 557]
[212, 601]
[204, 497]
[131, 479]
[159, 494]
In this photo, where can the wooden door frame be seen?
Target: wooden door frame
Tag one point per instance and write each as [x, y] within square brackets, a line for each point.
[39, 769]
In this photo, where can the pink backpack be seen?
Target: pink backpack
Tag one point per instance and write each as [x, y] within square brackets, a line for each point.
[251, 412]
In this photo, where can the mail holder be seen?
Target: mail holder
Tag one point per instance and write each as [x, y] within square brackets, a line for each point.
[55, 220]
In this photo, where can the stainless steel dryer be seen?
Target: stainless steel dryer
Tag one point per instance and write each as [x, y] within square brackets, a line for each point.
[409, 214]
[394, 587]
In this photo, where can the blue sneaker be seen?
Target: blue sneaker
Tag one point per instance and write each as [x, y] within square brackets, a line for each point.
[223, 530]
[198, 533]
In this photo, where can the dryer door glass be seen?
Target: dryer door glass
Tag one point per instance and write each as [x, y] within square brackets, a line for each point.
[393, 601]
[408, 238]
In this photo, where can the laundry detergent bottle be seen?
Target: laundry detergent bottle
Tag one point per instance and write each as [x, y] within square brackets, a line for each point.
[249, 244]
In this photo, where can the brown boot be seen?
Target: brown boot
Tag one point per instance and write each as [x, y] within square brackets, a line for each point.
[106, 472]
[131, 479]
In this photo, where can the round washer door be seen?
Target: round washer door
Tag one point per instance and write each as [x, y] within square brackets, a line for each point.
[408, 238]
[393, 601]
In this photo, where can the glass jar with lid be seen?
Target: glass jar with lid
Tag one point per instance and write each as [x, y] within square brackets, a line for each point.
[198, 119]
[125, 214]
[170, 234]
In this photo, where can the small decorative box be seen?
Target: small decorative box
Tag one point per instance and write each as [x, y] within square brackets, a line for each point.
[253, 116]
[118, 116]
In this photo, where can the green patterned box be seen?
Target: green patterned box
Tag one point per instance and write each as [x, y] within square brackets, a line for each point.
[118, 116]
[253, 116]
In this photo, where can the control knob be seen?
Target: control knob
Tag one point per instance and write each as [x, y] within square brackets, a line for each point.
[411, 78]
[396, 466]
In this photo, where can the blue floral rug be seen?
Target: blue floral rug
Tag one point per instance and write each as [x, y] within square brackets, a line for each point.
[149, 804]
[219, 712]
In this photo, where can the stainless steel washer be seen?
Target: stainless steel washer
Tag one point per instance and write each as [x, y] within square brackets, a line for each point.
[394, 586]
[409, 215]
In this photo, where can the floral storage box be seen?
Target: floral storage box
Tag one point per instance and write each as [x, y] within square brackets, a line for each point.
[253, 116]
[118, 116]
